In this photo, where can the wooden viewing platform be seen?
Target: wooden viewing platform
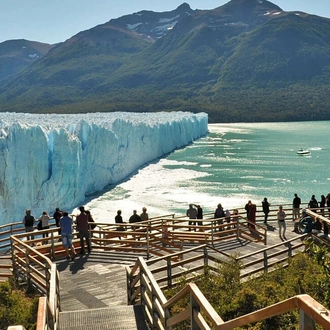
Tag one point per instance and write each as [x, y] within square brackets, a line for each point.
[108, 288]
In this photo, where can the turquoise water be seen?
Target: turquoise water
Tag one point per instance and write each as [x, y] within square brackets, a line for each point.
[234, 163]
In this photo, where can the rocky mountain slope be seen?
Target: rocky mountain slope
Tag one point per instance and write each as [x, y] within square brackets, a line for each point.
[15, 55]
[247, 60]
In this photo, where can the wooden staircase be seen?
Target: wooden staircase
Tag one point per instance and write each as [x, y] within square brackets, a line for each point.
[5, 267]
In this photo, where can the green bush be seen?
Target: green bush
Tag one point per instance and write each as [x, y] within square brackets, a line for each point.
[16, 307]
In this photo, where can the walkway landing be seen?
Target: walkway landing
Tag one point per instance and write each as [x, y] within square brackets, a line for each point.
[93, 290]
[110, 318]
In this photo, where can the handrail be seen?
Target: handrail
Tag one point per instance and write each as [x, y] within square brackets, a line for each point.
[311, 309]
[27, 262]
[199, 312]
[39, 272]
[195, 294]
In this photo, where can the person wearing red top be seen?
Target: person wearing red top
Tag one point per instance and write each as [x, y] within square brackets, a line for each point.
[83, 230]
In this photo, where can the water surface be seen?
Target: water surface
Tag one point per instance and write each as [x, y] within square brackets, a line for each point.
[232, 164]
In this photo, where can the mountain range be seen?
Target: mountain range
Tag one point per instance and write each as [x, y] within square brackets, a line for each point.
[247, 60]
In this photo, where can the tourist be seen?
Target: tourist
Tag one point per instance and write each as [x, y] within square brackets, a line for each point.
[219, 214]
[235, 216]
[29, 222]
[306, 222]
[199, 216]
[192, 214]
[57, 216]
[134, 218]
[44, 223]
[296, 207]
[83, 230]
[281, 221]
[327, 200]
[144, 215]
[265, 209]
[322, 204]
[247, 208]
[252, 210]
[91, 221]
[227, 218]
[66, 233]
[313, 204]
[119, 220]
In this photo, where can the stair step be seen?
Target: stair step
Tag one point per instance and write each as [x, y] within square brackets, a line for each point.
[109, 318]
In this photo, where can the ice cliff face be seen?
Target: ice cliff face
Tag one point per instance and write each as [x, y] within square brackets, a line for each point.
[49, 161]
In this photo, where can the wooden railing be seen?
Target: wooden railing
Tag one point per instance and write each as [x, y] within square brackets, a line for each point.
[37, 271]
[31, 260]
[200, 314]
[170, 269]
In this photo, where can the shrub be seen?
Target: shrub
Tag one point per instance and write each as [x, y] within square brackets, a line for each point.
[16, 308]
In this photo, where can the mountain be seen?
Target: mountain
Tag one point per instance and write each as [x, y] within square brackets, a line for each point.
[247, 60]
[15, 55]
[153, 25]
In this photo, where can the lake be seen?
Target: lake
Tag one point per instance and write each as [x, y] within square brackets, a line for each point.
[232, 164]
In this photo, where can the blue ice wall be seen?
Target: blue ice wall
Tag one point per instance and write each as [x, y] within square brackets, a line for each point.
[56, 160]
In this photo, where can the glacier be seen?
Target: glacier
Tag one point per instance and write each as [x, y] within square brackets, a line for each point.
[53, 160]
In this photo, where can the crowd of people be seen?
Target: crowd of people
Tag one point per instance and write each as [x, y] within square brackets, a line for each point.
[84, 221]
[303, 223]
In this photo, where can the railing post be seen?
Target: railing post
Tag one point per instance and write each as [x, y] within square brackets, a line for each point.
[290, 251]
[167, 313]
[194, 306]
[206, 257]
[155, 315]
[212, 234]
[143, 290]
[237, 228]
[305, 322]
[47, 275]
[28, 270]
[169, 272]
[128, 287]
[52, 248]
[148, 247]
[265, 262]
[13, 260]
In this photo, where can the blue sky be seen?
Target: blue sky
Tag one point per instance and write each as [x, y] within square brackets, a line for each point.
[53, 21]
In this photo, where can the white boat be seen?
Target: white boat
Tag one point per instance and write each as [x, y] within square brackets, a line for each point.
[303, 152]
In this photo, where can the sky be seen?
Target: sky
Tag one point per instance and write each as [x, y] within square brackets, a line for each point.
[53, 21]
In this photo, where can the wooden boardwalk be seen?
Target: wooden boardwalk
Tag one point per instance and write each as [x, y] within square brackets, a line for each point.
[98, 280]
[93, 287]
